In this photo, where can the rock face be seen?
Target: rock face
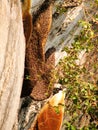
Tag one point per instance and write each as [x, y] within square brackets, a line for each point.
[12, 55]
[64, 28]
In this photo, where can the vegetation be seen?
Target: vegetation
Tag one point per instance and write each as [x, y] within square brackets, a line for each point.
[81, 79]
[78, 77]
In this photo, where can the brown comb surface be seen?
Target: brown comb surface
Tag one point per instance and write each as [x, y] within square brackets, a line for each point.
[38, 68]
[49, 119]
[50, 116]
[42, 23]
[44, 84]
[27, 23]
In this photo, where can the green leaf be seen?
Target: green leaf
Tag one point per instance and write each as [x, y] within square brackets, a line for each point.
[72, 127]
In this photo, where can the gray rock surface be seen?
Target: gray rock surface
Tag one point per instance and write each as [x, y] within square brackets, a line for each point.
[63, 30]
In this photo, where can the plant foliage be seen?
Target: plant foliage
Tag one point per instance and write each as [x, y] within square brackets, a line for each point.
[81, 80]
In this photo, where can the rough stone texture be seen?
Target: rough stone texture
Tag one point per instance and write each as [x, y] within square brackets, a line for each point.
[63, 30]
[12, 55]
